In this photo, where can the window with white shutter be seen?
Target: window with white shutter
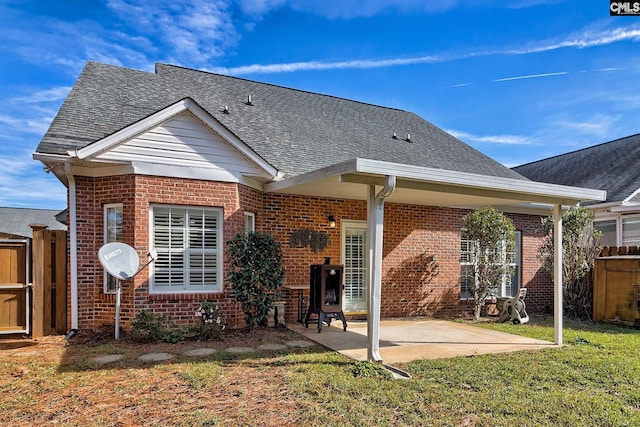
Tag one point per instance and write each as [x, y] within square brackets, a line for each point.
[112, 233]
[189, 246]
[509, 286]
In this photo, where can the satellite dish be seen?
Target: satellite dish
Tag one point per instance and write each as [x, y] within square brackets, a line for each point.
[119, 259]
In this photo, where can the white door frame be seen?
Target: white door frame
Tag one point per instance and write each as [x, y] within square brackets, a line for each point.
[345, 224]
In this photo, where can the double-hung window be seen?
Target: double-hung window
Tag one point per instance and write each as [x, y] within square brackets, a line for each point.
[112, 233]
[509, 285]
[249, 222]
[189, 245]
[630, 231]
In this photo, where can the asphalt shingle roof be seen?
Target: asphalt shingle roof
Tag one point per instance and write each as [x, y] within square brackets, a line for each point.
[612, 166]
[16, 221]
[293, 130]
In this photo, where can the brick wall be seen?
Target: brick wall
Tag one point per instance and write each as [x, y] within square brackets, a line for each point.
[421, 266]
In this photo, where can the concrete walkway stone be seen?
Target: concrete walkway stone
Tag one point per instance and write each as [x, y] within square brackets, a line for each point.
[272, 347]
[200, 352]
[107, 358]
[156, 357]
[203, 352]
[241, 350]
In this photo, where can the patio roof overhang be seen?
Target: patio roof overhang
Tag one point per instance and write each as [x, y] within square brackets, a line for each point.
[358, 179]
[433, 187]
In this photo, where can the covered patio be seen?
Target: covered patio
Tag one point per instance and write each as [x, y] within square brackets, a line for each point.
[378, 182]
[408, 339]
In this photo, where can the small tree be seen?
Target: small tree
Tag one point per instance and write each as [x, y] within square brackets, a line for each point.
[256, 274]
[492, 236]
[579, 249]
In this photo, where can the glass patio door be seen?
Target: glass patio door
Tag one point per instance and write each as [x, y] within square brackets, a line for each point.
[354, 243]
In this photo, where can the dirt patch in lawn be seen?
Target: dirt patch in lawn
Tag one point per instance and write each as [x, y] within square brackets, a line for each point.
[48, 381]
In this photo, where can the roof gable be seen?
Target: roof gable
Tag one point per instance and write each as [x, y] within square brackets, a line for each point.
[181, 135]
[292, 130]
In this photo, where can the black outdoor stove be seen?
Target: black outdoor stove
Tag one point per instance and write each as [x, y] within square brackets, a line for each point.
[325, 295]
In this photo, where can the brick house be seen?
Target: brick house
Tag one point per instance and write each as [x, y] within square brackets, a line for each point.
[181, 160]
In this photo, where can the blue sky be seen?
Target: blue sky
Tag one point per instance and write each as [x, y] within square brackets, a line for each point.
[519, 80]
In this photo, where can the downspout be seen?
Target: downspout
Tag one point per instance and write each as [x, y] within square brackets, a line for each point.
[375, 219]
[73, 243]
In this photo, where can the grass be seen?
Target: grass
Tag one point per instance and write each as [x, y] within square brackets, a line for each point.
[594, 380]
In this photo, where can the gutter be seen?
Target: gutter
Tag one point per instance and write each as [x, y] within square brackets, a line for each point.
[73, 243]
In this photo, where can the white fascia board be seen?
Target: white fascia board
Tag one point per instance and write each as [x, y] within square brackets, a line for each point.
[464, 179]
[507, 188]
[155, 169]
[317, 175]
[131, 131]
[141, 168]
[163, 115]
[634, 194]
[626, 208]
[45, 157]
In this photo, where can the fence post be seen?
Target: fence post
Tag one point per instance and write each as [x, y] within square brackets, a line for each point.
[60, 262]
[39, 300]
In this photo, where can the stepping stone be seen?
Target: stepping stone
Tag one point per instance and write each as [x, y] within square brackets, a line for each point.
[108, 358]
[240, 350]
[300, 344]
[155, 357]
[200, 352]
[273, 346]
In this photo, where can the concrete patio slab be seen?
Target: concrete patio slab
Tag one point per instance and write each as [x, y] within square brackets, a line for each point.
[405, 340]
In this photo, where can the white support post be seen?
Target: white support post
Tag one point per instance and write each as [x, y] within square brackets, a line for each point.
[557, 274]
[375, 218]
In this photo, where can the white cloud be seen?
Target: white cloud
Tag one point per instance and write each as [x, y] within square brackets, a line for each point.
[47, 95]
[24, 183]
[596, 125]
[588, 39]
[493, 139]
[319, 65]
[191, 31]
[10, 125]
[584, 40]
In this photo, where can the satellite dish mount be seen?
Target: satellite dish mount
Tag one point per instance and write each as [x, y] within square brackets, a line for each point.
[122, 262]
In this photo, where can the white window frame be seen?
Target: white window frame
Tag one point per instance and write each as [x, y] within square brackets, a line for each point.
[617, 223]
[514, 283]
[249, 222]
[622, 240]
[620, 219]
[359, 305]
[185, 287]
[109, 282]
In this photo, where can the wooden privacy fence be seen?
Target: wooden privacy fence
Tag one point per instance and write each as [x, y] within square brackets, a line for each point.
[33, 283]
[49, 288]
[616, 286]
[14, 286]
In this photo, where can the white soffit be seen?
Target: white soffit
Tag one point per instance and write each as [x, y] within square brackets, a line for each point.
[430, 186]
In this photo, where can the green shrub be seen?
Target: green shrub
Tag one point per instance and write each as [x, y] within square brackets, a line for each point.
[256, 274]
[150, 327]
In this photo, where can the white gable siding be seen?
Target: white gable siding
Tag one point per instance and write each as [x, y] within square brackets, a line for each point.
[184, 141]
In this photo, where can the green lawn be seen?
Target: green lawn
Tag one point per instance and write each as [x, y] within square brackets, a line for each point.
[594, 380]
